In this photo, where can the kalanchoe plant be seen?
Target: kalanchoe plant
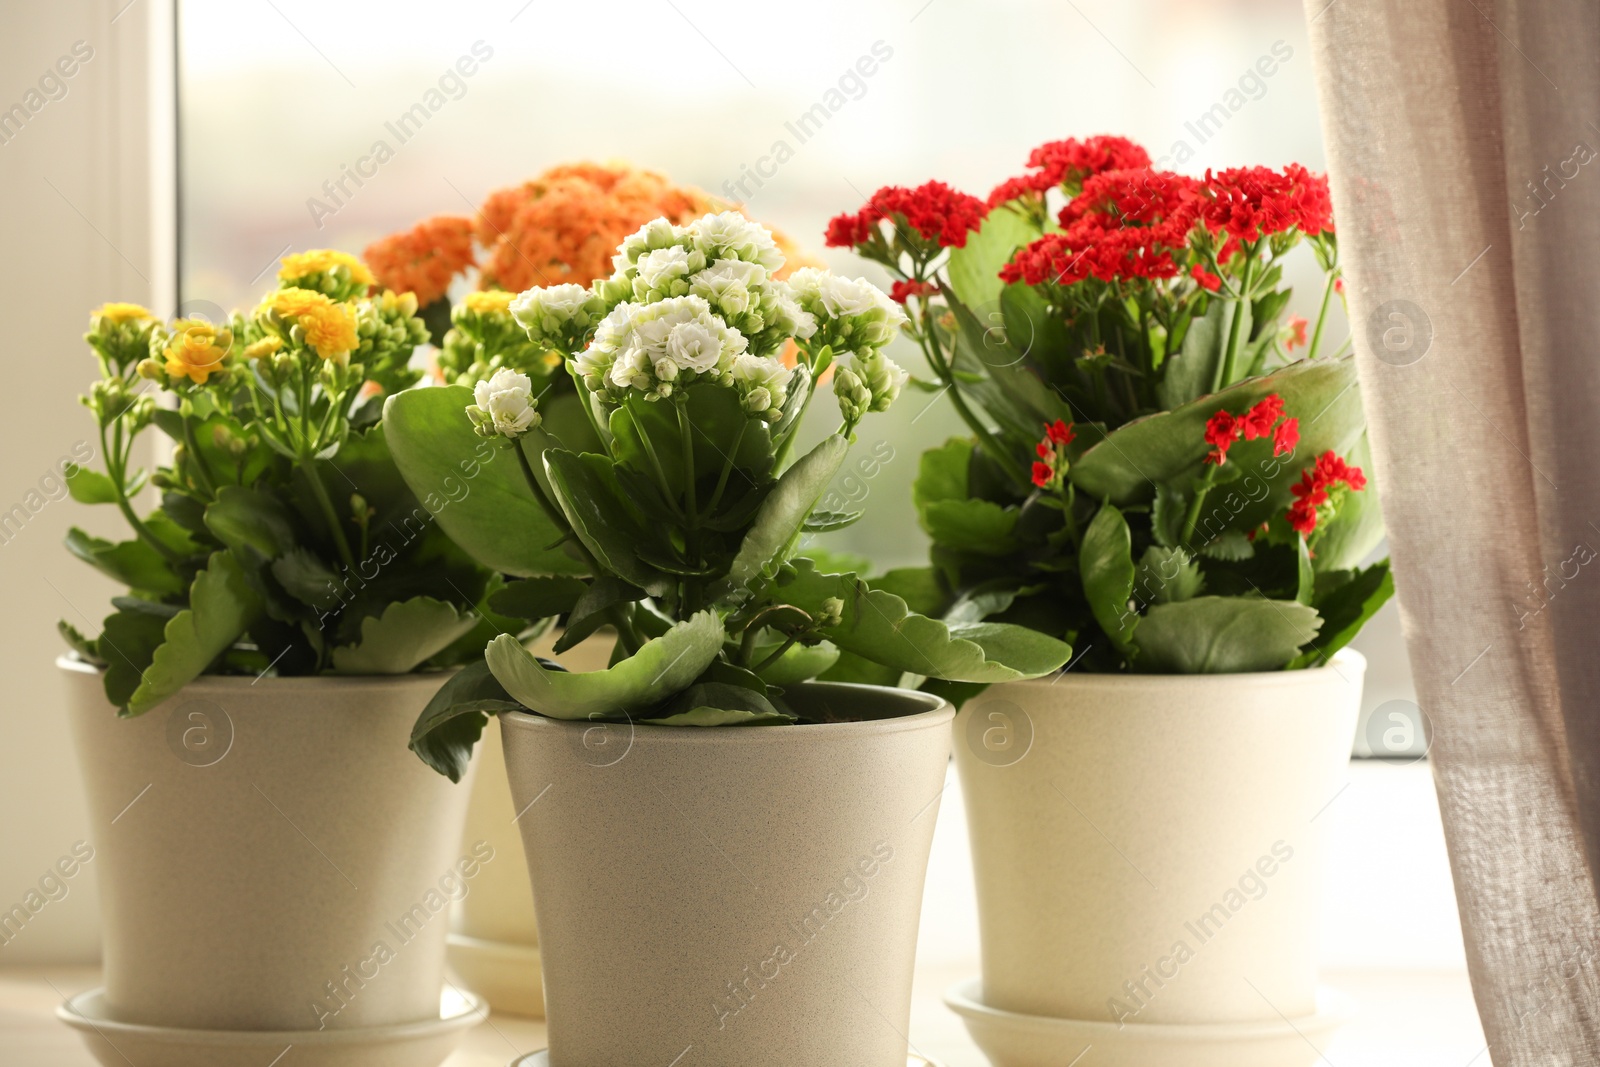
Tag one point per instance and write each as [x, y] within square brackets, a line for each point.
[285, 539]
[1151, 475]
[679, 529]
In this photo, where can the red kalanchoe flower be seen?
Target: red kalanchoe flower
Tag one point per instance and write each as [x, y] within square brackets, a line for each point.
[1070, 162]
[1285, 437]
[1259, 420]
[934, 210]
[1044, 450]
[1222, 429]
[1297, 333]
[1248, 203]
[1043, 474]
[1338, 286]
[1125, 224]
[1059, 432]
[1208, 281]
[1312, 490]
[900, 292]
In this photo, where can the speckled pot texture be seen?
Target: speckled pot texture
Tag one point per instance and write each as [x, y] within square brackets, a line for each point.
[270, 854]
[1147, 848]
[732, 896]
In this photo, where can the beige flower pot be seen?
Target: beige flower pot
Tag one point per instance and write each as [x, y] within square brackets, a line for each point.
[494, 941]
[1146, 847]
[734, 896]
[271, 856]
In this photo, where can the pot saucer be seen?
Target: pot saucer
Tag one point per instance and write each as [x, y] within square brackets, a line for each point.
[420, 1044]
[542, 1059]
[1011, 1039]
[508, 975]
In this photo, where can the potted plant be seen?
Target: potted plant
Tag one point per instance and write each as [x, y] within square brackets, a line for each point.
[1155, 477]
[273, 873]
[725, 855]
[560, 227]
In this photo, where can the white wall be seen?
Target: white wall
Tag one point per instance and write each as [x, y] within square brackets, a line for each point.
[75, 230]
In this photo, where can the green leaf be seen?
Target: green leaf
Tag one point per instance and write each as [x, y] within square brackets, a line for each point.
[1106, 562]
[253, 517]
[133, 563]
[1186, 375]
[1167, 576]
[1346, 608]
[474, 486]
[90, 487]
[538, 598]
[1230, 545]
[718, 425]
[222, 605]
[974, 269]
[719, 704]
[449, 727]
[879, 626]
[850, 667]
[942, 473]
[585, 486]
[1223, 635]
[407, 634]
[798, 663]
[1170, 446]
[981, 527]
[777, 525]
[661, 669]
[128, 642]
[1167, 514]
[85, 647]
[919, 587]
[827, 521]
[593, 608]
[307, 578]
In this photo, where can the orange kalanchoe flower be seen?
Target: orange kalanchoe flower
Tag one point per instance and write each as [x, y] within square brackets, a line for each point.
[424, 259]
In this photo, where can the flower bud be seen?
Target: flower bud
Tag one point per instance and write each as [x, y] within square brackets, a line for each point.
[505, 406]
[832, 613]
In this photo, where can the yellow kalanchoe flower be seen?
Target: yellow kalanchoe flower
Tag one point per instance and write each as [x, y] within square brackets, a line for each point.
[330, 327]
[118, 313]
[267, 346]
[489, 301]
[196, 349]
[405, 303]
[318, 260]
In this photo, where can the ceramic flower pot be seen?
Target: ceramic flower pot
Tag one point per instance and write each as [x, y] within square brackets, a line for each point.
[750, 894]
[1147, 851]
[271, 857]
[494, 941]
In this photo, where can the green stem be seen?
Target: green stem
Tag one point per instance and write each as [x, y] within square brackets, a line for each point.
[1224, 375]
[200, 466]
[1322, 317]
[727, 469]
[691, 508]
[774, 657]
[986, 438]
[557, 517]
[1072, 520]
[1192, 519]
[325, 502]
[117, 468]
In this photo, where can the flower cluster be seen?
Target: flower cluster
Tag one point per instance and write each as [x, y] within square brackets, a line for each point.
[651, 348]
[389, 331]
[1052, 453]
[1068, 163]
[424, 259]
[939, 214]
[504, 405]
[1248, 203]
[194, 349]
[1265, 419]
[120, 335]
[338, 275]
[307, 317]
[1312, 491]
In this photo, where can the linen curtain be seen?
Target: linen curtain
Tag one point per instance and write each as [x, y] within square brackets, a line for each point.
[1464, 153]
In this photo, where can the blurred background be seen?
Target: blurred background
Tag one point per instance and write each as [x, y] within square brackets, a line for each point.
[203, 139]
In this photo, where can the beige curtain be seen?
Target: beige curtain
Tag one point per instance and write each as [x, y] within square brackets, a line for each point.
[1464, 151]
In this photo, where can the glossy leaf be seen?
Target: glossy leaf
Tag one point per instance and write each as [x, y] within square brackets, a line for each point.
[1345, 610]
[222, 605]
[974, 269]
[450, 726]
[241, 517]
[585, 486]
[538, 598]
[663, 667]
[89, 486]
[133, 563]
[1223, 635]
[1106, 564]
[777, 525]
[406, 635]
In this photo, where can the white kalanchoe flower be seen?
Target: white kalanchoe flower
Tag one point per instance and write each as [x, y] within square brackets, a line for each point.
[657, 233]
[664, 272]
[558, 316]
[729, 235]
[504, 405]
[763, 383]
[852, 313]
[731, 286]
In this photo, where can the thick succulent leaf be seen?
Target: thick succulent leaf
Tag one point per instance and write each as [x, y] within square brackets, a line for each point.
[981, 527]
[128, 642]
[718, 425]
[1223, 635]
[661, 669]
[253, 517]
[1129, 463]
[1346, 608]
[593, 609]
[722, 717]
[1166, 576]
[133, 563]
[719, 704]
[90, 487]
[974, 269]
[878, 625]
[777, 525]
[474, 487]
[449, 727]
[87, 648]
[919, 587]
[222, 605]
[798, 663]
[586, 488]
[1106, 562]
[406, 635]
[1187, 374]
[307, 578]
